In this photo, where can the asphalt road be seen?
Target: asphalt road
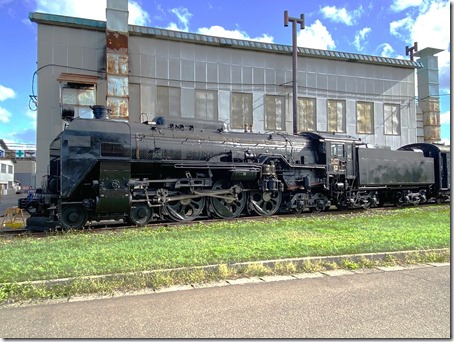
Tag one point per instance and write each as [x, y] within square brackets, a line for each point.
[8, 201]
[412, 303]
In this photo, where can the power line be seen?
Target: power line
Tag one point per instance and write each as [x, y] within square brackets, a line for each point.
[34, 97]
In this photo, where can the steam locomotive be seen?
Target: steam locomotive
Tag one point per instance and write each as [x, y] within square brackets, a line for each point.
[180, 170]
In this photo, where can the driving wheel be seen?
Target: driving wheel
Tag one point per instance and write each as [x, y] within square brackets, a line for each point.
[265, 203]
[186, 209]
[229, 205]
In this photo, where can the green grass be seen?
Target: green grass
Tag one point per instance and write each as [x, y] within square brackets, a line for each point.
[78, 254]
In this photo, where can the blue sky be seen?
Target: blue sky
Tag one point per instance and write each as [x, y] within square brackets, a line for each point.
[380, 27]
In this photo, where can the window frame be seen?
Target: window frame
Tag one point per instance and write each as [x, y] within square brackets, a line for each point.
[371, 118]
[79, 83]
[268, 119]
[343, 115]
[214, 100]
[303, 116]
[395, 131]
[246, 101]
[172, 93]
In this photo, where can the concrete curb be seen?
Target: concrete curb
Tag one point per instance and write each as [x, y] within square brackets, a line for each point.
[400, 255]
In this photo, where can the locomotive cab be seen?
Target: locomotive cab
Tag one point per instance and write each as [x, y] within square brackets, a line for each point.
[336, 151]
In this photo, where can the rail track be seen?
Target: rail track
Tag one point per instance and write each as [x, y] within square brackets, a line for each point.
[109, 226]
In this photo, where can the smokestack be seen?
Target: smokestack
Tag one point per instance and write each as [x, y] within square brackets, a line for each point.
[429, 93]
[117, 62]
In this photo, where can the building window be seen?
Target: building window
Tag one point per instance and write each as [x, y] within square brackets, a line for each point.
[3, 168]
[364, 118]
[206, 105]
[168, 101]
[392, 119]
[307, 121]
[336, 116]
[274, 113]
[77, 94]
[78, 97]
[241, 114]
[10, 169]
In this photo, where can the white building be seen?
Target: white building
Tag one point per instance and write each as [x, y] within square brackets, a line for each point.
[142, 72]
[6, 170]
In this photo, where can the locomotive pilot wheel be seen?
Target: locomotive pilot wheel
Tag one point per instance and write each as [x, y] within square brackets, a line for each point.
[265, 203]
[140, 214]
[227, 206]
[184, 209]
[73, 217]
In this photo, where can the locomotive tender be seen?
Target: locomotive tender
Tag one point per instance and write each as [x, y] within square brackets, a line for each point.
[180, 170]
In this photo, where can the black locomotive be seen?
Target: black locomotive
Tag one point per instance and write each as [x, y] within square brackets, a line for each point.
[181, 170]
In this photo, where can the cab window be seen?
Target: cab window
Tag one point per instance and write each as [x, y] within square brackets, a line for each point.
[337, 150]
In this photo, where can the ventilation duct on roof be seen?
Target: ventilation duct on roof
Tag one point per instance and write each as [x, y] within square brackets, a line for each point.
[117, 62]
[429, 93]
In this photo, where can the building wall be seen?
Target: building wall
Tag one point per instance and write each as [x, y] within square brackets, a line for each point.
[191, 67]
[25, 172]
[156, 62]
[6, 176]
[84, 51]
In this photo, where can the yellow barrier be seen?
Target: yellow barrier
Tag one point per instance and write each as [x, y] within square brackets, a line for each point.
[13, 218]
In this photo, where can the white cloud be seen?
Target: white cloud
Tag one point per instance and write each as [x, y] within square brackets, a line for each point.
[6, 93]
[183, 16]
[405, 25]
[159, 14]
[316, 36]
[25, 136]
[400, 5]
[445, 118]
[430, 27]
[91, 9]
[219, 31]
[341, 15]
[360, 37]
[137, 15]
[4, 115]
[386, 50]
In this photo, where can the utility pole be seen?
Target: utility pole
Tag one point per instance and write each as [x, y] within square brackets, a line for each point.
[411, 50]
[294, 21]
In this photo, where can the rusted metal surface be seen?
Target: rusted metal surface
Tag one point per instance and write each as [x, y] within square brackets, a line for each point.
[117, 41]
[117, 86]
[117, 61]
[77, 78]
[430, 108]
[117, 64]
[431, 133]
[119, 106]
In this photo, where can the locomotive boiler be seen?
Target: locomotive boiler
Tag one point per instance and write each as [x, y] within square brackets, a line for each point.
[180, 170]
